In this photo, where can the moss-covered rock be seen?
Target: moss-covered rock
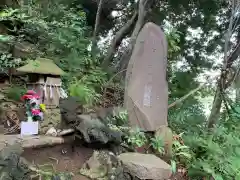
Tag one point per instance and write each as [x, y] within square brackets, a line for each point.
[104, 165]
[52, 118]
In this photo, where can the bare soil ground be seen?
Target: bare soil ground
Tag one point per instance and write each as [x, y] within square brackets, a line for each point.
[64, 159]
[61, 157]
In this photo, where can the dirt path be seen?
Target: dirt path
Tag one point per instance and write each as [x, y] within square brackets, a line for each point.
[67, 162]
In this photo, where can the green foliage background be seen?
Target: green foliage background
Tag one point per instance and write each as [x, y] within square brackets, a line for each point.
[62, 31]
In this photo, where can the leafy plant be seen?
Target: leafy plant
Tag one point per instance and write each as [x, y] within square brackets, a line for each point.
[16, 92]
[88, 88]
[86, 95]
[119, 118]
[136, 138]
[216, 155]
[173, 38]
[181, 152]
[7, 61]
[48, 172]
[158, 144]
[95, 77]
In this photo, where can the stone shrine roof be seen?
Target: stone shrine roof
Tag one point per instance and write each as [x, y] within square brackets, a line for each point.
[42, 66]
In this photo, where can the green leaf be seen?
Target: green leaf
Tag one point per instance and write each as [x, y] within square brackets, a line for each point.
[6, 38]
[237, 109]
[184, 154]
[217, 177]
[174, 166]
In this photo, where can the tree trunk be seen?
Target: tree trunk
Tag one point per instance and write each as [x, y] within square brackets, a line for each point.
[142, 11]
[236, 82]
[215, 111]
[97, 22]
[223, 84]
[237, 98]
[224, 81]
[118, 39]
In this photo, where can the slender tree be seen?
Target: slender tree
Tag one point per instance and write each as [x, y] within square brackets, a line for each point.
[230, 56]
[97, 23]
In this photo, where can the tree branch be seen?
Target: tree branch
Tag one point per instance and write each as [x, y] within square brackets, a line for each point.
[118, 39]
[97, 22]
[186, 96]
[227, 64]
[142, 11]
[234, 55]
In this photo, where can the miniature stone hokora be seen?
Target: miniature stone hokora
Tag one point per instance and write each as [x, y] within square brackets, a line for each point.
[45, 79]
[146, 91]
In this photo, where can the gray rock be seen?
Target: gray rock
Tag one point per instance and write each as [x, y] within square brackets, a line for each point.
[145, 166]
[89, 126]
[103, 113]
[70, 108]
[11, 165]
[2, 96]
[85, 117]
[93, 130]
[104, 165]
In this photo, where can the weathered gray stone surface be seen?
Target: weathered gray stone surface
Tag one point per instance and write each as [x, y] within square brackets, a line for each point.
[52, 118]
[12, 166]
[91, 129]
[145, 166]
[104, 165]
[29, 141]
[97, 130]
[146, 94]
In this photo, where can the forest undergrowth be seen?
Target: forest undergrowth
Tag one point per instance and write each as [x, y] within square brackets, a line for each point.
[63, 32]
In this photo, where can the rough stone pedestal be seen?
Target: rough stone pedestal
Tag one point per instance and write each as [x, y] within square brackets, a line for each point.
[145, 166]
[52, 118]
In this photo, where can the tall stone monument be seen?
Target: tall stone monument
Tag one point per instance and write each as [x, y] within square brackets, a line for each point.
[146, 92]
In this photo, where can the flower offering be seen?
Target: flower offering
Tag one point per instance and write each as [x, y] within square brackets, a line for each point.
[34, 108]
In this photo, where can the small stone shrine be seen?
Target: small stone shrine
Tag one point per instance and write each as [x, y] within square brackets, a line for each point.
[44, 77]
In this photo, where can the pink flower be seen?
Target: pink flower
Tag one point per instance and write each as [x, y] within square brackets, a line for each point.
[35, 112]
[27, 96]
[31, 92]
[36, 96]
[30, 96]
